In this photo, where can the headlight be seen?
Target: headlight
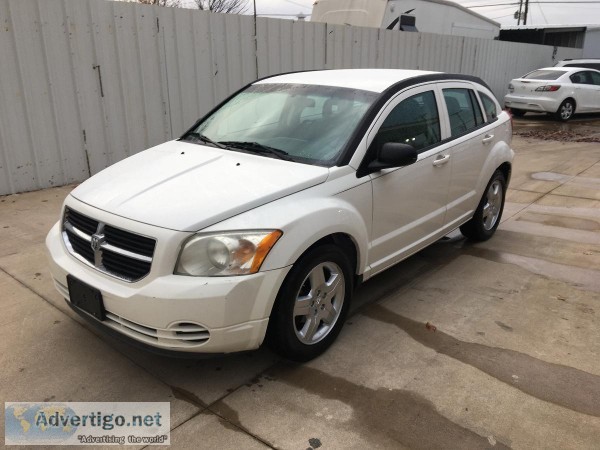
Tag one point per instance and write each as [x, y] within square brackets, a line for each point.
[225, 254]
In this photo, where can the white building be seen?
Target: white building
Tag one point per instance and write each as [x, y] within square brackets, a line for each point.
[591, 44]
[432, 16]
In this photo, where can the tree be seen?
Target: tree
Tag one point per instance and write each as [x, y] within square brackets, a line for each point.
[223, 6]
[173, 3]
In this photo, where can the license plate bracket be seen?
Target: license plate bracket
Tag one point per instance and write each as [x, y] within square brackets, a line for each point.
[86, 297]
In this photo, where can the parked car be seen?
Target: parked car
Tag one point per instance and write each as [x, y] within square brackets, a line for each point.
[262, 218]
[562, 91]
[589, 63]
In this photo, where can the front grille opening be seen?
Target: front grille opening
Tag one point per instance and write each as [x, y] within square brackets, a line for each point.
[190, 332]
[81, 222]
[179, 335]
[129, 257]
[81, 246]
[129, 241]
[124, 266]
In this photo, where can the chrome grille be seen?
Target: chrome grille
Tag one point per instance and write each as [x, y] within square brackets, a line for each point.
[119, 253]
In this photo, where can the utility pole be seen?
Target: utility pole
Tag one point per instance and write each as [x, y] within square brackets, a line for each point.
[520, 12]
[255, 40]
[526, 10]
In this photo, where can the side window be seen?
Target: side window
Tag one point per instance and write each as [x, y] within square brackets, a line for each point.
[463, 110]
[579, 78]
[489, 105]
[413, 121]
[595, 78]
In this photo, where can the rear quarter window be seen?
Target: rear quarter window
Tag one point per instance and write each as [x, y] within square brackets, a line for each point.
[489, 105]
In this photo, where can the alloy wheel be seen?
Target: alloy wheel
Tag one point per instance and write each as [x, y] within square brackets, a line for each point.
[319, 303]
[491, 210]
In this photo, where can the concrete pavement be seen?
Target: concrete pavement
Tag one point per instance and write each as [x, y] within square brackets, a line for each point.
[511, 357]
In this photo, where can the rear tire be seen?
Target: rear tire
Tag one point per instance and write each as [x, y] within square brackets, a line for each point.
[487, 216]
[565, 110]
[312, 304]
[517, 112]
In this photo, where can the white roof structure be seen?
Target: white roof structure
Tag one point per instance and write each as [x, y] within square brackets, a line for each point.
[374, 80]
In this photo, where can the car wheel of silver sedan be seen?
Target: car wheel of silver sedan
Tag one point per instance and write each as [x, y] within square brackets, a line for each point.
[566, 110]
[312, 304]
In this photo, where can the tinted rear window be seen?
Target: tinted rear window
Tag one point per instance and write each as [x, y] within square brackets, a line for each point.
[545, 74]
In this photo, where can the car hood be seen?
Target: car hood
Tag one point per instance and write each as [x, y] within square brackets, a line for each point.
[188, 187]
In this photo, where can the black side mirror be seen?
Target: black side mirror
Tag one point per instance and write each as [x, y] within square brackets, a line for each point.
[393, 154]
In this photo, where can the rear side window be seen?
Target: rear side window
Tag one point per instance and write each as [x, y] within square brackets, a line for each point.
[489, 106]
[413, 121]
[463, 110]
[544, 75]
[595, 78]
[581, 78]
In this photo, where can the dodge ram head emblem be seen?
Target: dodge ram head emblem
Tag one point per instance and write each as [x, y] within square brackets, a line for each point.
[97, 241]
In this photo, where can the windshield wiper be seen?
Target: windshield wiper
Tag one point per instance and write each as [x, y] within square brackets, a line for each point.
[255, 147]
[200, 137]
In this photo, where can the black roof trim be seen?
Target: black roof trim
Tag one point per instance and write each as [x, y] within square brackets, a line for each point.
[385, 96]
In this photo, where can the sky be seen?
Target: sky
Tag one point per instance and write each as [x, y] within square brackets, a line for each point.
[566, 12]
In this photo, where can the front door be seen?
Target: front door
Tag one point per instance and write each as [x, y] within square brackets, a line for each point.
[409, 202]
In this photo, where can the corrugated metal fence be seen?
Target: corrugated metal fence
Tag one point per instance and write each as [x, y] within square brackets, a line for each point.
[85, 83]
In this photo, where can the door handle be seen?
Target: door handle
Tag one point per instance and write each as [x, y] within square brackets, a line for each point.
[441, 159]
[487, 138]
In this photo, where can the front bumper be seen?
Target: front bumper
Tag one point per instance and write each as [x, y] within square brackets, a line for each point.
[534, 104]
[172, 312]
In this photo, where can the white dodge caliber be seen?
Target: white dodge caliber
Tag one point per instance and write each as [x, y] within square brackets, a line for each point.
[259, 222]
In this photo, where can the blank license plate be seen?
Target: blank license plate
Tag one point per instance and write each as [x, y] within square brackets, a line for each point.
[86, 297]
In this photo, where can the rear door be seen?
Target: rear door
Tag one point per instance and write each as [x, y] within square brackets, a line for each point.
[587, 90]
[471, 137]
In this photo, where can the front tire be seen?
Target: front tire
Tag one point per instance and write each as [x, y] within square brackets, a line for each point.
[312, 304]
[565, 110]
[487, 216]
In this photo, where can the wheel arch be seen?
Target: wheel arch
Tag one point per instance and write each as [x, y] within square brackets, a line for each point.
[347, 244]
[568, 98]
[506, 169]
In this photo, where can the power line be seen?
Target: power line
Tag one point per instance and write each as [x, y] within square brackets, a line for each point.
[538, 2]
[543, 15]
[502, 17]
[297, 4]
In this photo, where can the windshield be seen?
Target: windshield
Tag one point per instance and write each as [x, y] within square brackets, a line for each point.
[545, 74]
[303, 123]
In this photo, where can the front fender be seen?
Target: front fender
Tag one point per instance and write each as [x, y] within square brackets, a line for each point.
[307, 217]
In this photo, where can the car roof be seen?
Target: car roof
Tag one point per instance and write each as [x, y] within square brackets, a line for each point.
[582, 60]
[567, 69]
[374, 80]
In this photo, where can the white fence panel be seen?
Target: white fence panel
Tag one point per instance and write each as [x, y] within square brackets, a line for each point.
[85, 83]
